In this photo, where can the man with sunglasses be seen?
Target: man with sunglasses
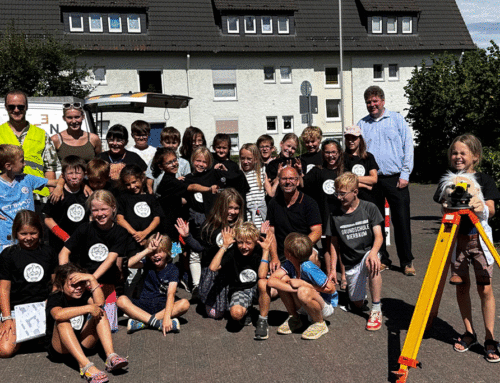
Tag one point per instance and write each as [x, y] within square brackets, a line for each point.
[39, 154]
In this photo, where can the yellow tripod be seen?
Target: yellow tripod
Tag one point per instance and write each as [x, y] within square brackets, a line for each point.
[429, 298]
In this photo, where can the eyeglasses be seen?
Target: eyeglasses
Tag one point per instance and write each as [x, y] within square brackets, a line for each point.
[289, 179]
[341, 194]
[75, 105]
[20, 107]
[171, 163]
[265, 147]
[116, 140]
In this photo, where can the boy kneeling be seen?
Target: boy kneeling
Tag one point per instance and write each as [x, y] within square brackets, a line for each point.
[311, 290]
[356, 230]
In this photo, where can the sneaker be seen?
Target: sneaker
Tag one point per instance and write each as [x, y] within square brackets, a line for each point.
[261, 330]
[374, 321]
[409, 270]
[134, 325]
[292, 324]
[315, 331]
[195, 293]
[246, 321]
[176, 326]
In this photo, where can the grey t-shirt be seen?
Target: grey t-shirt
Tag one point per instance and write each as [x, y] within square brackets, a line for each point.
[355, 231]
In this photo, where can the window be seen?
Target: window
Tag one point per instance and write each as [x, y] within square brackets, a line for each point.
[95, 22]
[376, 24]
[75, 22]
[250, 25]
[150, 81]
[134, 23]
[224, 81]
[407, 25]
[230, 127]
[269, 74]
[393, 72]
[115, 23]
[331, 77]
[392, 25]
[272, 125]
[233, 25]
[235, 143]
[378, 72]
[99, 74]
[287, 124]
[283, 25]
[267, 24]
[332, 110]
[285, 74]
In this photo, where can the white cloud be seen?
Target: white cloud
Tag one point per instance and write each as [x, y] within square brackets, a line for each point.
[475, 11]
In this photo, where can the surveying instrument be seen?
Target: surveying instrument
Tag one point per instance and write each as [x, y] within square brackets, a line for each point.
[431, 292]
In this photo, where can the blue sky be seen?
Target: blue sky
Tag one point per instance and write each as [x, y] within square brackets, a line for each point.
[483, 20]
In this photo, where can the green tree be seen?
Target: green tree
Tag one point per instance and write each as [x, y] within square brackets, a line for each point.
[40, 66]
[454, 95]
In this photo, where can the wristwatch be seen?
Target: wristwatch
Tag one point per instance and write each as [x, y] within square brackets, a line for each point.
[6, 318]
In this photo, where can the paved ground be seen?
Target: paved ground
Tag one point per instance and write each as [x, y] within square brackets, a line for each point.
[206, 351]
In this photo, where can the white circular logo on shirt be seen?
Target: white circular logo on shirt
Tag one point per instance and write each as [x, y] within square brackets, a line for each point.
[98, 252]
[220, 241]
[76, 212]
[359, 170]
[329, 187]
[77, 322]
[248, 275]
[198, 197]
[33, 272]
[25, 190]
[309, 167]
[142, 209]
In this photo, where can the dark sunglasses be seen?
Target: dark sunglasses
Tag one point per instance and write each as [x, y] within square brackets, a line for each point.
[75, 105]
[19, 107]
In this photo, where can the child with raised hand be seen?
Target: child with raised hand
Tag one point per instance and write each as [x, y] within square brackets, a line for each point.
[222, 150]
[311, 137]
[25, 273]
[63, 217]
[464, 155]
[140, 133]
[288, 145]
[192, 139]
[265, 143]
[250, 163]
[156, 307]
[76, 322]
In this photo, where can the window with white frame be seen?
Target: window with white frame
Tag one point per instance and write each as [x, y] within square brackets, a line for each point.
[393, 72]
[283, 25]
[331, 77]
[150, 81]
[134, 23]
[269, 74]
[266, 24]
[407, 24]
[332, 110]
[287, 124]
[233, 25]
[392, 25]
[378, 72]
[272, 124]
[285, 74]
[229, 126]
[75, 22]
[115, 23]
[99, 74]
[224, 81]
[376, 24]
[95, 22]
[235, 142]
[250, 24]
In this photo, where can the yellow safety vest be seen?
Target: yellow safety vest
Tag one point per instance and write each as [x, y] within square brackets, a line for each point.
[33, 146]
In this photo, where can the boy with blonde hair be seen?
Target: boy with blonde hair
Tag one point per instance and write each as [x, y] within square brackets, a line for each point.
[311, 137]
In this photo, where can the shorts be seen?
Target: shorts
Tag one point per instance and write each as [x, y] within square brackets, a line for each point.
[469, 251]
[243, 298]
[356, 278]
[289, 268]
[151, 306]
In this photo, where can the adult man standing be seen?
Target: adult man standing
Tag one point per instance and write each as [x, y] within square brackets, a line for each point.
[39, 154]
[388, 137]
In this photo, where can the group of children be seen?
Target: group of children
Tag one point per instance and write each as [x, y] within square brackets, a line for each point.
[211, 212]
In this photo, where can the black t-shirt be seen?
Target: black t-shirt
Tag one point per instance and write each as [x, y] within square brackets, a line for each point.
[299, 218]
[490, 192]
[129, 158]
[211, 243]
[59, 299]
[241, 271]
[29, 272]
[272, 167]
[229, 164]
[69, 213]
[90, 246]
[361, 167]
[139, 210]
[311, 160]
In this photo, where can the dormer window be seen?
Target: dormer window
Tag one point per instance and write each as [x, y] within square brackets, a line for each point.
[376, 24]
[134, 23]
[115, 23]
[233, 25]
[75, 22]
[283, 25]
[267, 24]
[250, 24]
[407, 25]
[95, 22]
[392, 25]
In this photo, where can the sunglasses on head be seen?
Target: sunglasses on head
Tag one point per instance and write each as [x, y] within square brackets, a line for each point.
[75, 105]
[13, 107]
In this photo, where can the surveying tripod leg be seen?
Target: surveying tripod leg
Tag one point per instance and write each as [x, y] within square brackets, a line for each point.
[439, 293]
[486, 240]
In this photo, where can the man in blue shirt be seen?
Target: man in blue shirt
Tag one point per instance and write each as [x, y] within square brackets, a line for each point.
[389, 139]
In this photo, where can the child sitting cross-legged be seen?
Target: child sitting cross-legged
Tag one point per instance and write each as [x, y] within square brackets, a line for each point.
[156, 306]
[311, 290]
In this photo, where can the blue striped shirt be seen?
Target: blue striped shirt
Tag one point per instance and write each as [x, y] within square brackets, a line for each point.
[390, 140]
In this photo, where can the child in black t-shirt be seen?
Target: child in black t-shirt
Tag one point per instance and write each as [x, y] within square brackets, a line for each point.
[26, 269]
[64, 216]
[222, 150]
[311, 137]
[98, 176]
[76, 322]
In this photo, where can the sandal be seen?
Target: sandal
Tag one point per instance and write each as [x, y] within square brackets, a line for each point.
[98, 377]
[115, 362]
[492, 352]
[466, 345]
